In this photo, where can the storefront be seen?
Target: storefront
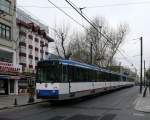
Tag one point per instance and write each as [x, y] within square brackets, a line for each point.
[9, 76]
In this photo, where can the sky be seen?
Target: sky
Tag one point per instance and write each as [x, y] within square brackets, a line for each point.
[133, 12]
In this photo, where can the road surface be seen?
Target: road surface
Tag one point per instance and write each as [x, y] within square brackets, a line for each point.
[118, 105]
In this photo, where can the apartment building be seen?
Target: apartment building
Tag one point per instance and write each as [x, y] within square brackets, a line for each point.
[33, 41]
[9, 68]
[32, 44]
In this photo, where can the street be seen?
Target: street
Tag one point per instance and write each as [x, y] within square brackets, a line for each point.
[117, 105]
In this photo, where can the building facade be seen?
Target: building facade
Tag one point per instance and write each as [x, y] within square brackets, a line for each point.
[32, 45]
[9, 68]
[33, 41]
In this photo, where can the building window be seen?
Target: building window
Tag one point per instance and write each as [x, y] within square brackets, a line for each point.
[5, 6]
[30, 51]
[22, 49]
[30, 61]
[30, 37]
[36, 61]
[5, 31]
[22, 59]
[36, 53]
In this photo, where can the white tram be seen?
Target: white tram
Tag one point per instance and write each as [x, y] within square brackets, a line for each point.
[66, 79]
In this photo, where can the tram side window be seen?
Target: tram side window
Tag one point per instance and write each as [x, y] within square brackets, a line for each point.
[104, 77]
[81, 75]
[65, 75]
[77, 74]
[70, 73]
[124, 79]
[113, 77]
[97, 76]
[53, 74]
[90, 75]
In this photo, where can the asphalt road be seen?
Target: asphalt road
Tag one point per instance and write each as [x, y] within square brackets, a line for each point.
[118, 105]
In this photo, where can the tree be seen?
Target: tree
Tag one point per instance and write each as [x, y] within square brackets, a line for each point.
[78, 48]
[62, 41]
[105, 48]
[101, 45]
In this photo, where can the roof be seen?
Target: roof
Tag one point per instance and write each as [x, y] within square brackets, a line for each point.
[83, 65]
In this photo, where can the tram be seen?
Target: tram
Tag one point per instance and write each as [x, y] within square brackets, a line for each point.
[67, 79]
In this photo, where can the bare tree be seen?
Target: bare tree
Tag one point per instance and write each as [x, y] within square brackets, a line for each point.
[104, 48]
[77, 46]
[118, 38]
[62, 41]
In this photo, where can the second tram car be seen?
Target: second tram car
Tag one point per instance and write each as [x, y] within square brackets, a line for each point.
[66, 79]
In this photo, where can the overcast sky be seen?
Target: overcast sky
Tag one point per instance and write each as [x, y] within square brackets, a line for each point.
[133, 12]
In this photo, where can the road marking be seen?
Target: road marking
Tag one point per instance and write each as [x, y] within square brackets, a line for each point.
[135, 101]
[138, 114]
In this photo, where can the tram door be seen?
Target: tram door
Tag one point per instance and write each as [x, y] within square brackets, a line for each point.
[66, 80]
[70, 80]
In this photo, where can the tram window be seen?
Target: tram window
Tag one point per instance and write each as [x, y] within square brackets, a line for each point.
[53, 74]
[65, 75]
[70, 73]
[75, 74]
[97, 74]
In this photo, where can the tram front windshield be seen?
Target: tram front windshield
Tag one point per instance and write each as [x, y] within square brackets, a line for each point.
[50, 73]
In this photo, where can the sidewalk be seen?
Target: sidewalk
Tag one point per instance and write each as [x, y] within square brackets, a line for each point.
[143, 103]
[9, 101]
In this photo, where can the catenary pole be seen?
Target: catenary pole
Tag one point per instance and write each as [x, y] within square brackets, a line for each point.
[141, 39]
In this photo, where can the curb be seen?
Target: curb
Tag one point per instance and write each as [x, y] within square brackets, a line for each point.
[139, 107]
[141, 110]
[27, 104]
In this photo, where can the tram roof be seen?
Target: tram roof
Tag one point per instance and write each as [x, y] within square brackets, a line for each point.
[84, 65]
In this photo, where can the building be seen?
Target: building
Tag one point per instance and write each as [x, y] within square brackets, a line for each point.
[33, 39]
[9, 69]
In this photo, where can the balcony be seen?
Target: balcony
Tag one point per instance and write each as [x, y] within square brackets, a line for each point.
[22, 44]
[33, 27]
[46, 44]
[22, 39]
[30, 66]
[36, 40]
[46, 53]
[5, 6]
[31, 56]
[36, 58]
[21, 23]
[30, 46]
[22, 33]
[23, 49]
[41, 51]
[41, 42]
[36, 49]
[22, 59]
[23, 64]
[22, 54]
[30, 37]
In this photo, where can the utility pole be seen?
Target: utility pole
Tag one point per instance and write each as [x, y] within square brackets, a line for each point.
[141, 38]
[144, 74]
[91, 50]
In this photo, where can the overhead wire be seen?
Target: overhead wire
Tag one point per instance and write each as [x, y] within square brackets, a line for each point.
[89, 21]
[66, 14]
[101, 6]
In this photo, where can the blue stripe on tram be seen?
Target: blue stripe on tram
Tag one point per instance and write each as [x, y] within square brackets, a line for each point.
[48, 92]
